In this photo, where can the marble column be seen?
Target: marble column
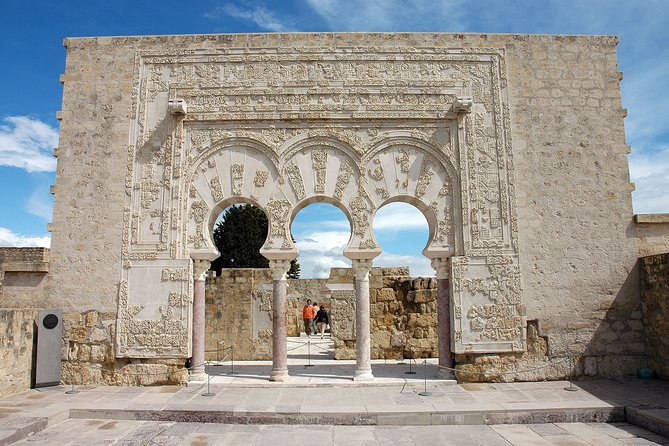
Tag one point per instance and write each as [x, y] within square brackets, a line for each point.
[363, 370]
[279, 268]
[200, 268]
[443, 267]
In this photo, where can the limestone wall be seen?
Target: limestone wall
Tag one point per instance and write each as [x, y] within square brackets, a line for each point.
[23, 277]
[578, 251]
[569, 223]
[655, 294]
[16, 349]
[653, 233]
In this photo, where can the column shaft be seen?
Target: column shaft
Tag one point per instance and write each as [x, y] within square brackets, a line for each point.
[444, 327]
[363, 371]
[197, 358]
[279, 332]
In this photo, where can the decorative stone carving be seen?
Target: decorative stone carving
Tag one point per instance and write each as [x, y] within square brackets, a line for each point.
[237, 178]
[320, 161]
[488, 292]
[432, 125]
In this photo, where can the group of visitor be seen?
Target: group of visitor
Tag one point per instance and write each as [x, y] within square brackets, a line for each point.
[315, 318]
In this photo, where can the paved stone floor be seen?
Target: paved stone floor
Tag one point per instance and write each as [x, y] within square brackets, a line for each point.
[321, 405]
[126, 432]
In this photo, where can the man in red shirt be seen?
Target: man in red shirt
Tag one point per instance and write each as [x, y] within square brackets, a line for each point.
[308, 314]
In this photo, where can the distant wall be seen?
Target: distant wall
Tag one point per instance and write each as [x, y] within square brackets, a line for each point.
[23, 277]
[403, 312]
[653, 233]
[655, 299]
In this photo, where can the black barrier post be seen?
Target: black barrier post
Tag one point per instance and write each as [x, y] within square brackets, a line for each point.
[72, 391]
[425, 392]
[410, 372]
[208, 393]
[309, 364]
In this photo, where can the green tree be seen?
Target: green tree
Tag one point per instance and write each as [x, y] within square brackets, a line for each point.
[239, 236]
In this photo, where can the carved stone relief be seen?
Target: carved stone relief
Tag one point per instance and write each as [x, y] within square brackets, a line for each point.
[428, 126]
[487, 292]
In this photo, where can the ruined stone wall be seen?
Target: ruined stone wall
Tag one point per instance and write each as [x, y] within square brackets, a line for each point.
[23, 273]
[403, 313]
[653, 233]
[655, 295]
[16, 349]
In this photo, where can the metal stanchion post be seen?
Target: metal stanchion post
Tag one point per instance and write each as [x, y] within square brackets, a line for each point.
[208, 392]
[410, 372]
[232, 359]
[308, 354]
[72, 391]
[571, 387]
[425, 392]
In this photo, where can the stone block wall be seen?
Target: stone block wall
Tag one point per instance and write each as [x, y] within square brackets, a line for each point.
[655, 295]
[23, 277]
[17, 332]
[88, 356]
[652, 230]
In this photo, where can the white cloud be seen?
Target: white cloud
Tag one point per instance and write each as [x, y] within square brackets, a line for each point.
[28, 144]
[40, 203]
[259, 15]
[395, 217]
[650, 173]
[12, 239]
[389, 15]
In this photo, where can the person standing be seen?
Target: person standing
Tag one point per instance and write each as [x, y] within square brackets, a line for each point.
[322, 320]
[308, 314]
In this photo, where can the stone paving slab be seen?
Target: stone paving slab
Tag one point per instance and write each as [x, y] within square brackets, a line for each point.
[398, 404]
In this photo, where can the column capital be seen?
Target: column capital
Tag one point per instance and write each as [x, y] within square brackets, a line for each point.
[442, 267]
[200, 268]
[279, 268]
[361, 268]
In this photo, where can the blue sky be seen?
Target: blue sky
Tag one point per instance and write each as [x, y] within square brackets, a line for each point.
[34, 59]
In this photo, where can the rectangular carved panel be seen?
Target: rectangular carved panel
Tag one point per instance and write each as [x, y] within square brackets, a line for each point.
[487, 314]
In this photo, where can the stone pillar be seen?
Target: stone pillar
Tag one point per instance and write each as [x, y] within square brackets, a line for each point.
[200, 268]
[363, 370]
[443, 268]
[279, 268]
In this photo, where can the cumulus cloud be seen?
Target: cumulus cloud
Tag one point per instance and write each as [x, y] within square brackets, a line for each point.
[259, 15]
[28, 144]
[395, 217]
[8, 238]
[650, 174]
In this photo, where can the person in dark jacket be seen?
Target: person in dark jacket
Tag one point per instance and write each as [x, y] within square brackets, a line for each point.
[322, 320]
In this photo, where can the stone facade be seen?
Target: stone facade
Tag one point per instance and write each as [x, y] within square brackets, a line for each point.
[512, 146]
[655, 295]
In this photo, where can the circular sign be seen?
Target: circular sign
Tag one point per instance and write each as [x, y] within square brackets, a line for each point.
[50, 321]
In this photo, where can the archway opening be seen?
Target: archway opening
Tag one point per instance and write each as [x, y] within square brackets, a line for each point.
[402, 232]
[321, 232]
[407, 296]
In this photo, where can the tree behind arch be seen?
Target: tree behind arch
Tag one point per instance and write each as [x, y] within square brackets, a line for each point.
[239, 237]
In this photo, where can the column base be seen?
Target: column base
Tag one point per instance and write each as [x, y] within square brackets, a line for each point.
[197, 378]
[279, 375]
[445, 374]
[363, 375]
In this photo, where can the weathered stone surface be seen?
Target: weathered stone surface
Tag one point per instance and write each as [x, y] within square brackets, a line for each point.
[16, 349]
[655, 295]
